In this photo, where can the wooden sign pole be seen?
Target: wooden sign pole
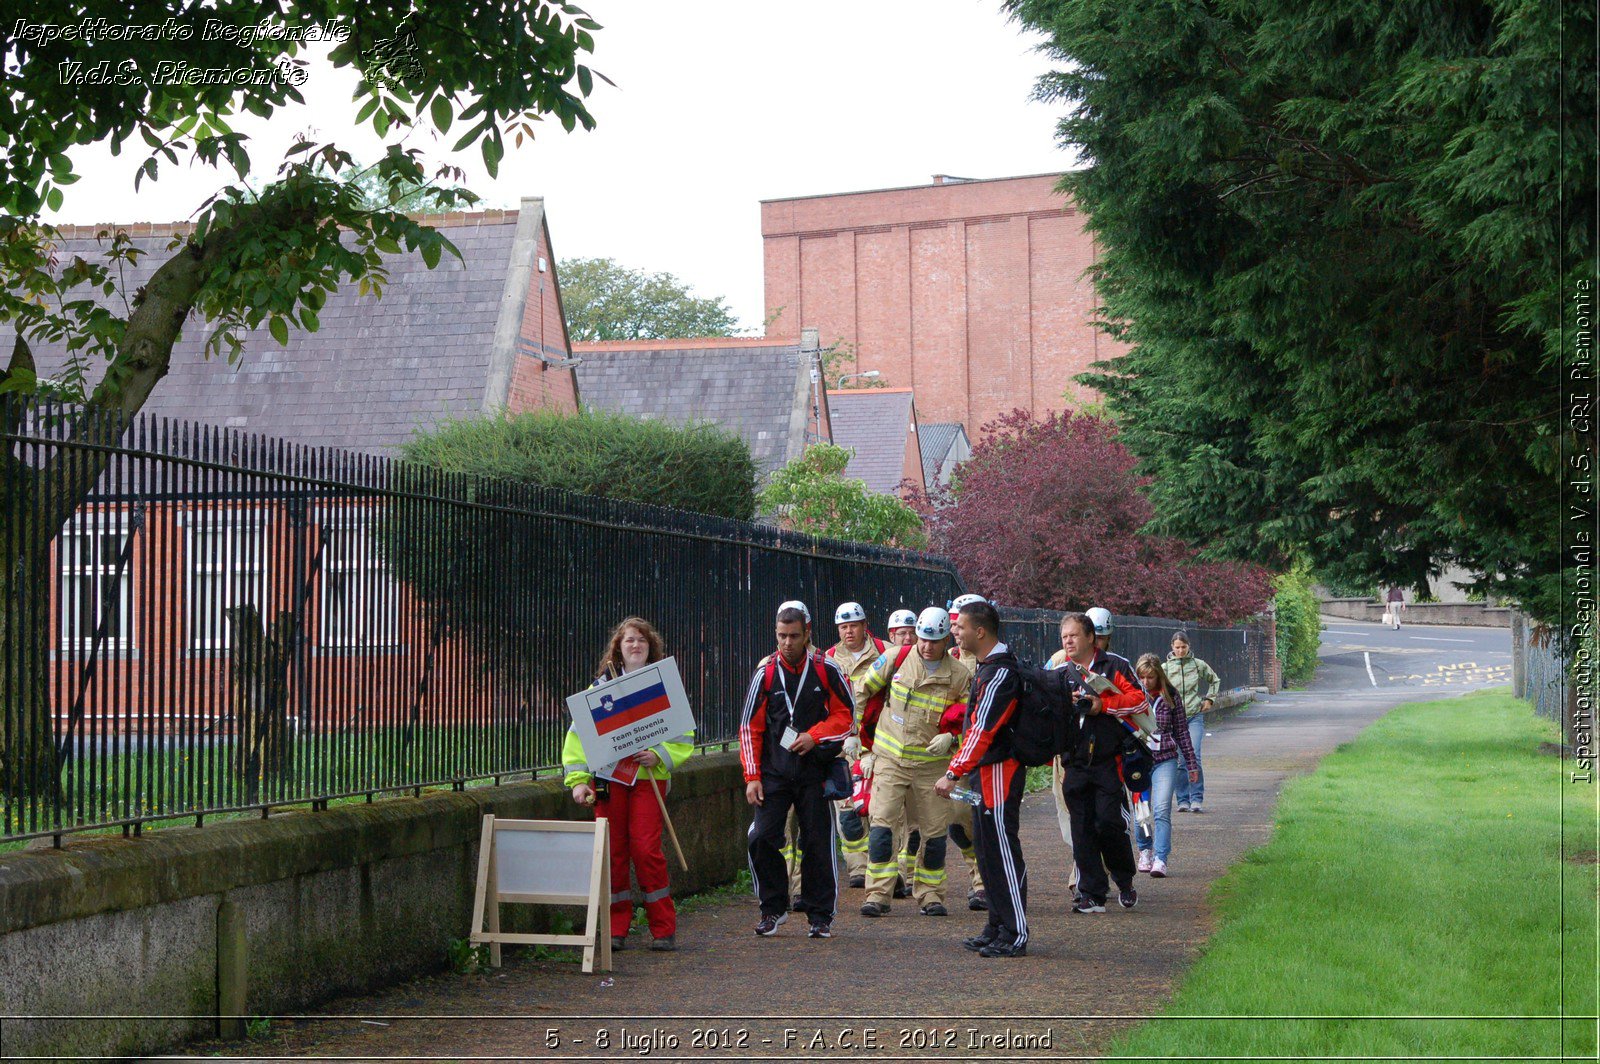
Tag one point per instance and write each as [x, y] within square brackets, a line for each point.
[672, 833]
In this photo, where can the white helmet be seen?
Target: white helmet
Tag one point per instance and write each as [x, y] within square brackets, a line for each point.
[849, 611]
[796, 604]
[1101, 619]
[902, 619]
[934, 623]
[963, 600]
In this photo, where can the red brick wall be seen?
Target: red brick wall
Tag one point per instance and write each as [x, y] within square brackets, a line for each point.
[971, 293]
[535, 385]
[162, 683]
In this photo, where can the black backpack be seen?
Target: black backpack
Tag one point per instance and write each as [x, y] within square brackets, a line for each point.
[1046, 724]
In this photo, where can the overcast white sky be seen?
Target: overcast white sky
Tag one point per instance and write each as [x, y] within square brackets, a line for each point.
[719, 104]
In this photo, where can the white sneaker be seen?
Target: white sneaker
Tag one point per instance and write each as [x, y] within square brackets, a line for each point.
[1183, 807]
[1144, 861]
[1195, 808]
[1158, 870]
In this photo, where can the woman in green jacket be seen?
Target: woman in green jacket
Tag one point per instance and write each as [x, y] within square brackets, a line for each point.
[634, 812]
[1197, 684]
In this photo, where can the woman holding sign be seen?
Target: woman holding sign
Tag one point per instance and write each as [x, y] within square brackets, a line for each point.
[621, 793]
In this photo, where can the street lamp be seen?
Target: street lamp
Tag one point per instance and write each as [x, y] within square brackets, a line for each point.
[870, 375]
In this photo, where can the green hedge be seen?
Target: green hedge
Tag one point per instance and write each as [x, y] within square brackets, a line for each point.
[697, 467]
[1299, 625]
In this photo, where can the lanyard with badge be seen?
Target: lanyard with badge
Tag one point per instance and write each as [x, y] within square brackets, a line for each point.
[790, 735]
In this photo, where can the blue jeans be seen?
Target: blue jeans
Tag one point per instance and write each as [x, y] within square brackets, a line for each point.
[1194, 793]
[1163, 779]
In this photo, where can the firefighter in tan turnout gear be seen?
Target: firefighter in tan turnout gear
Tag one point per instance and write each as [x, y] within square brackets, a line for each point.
[854, 653]
[910, 754]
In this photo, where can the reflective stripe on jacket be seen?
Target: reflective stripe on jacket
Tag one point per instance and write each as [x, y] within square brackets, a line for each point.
[918, 697]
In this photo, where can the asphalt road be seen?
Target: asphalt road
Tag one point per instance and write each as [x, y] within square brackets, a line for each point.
[902, 986]
[1356, 655]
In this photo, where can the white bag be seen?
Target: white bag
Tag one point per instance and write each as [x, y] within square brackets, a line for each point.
[1388, 618]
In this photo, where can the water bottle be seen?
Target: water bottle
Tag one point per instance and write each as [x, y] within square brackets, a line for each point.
[967, 795]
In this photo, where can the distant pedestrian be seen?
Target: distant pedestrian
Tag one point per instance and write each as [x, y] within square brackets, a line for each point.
[1197, 684]
[1167, 707]
[799, 695]
[1397, 605]
[634, 814]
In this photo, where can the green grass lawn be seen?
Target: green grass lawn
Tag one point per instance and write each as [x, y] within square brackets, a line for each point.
[1417, 873]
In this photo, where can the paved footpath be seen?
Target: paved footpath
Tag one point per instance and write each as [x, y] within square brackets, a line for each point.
[902, 985]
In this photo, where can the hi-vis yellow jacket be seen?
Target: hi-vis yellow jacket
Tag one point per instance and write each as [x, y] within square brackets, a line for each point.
[919, 693]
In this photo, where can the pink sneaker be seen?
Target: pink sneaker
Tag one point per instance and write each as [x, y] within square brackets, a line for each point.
[1158, 870]
[1144, 861]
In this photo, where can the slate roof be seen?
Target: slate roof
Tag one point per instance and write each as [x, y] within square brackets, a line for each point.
[760, 389]
[875, 422]
[936, 439]
[377, 369]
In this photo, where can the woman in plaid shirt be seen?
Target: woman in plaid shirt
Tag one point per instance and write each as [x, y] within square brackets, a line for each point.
[1173, 729]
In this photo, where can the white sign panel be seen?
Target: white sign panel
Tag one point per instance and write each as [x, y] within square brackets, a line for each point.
[544, 862]
[529, 861]
[632, 713]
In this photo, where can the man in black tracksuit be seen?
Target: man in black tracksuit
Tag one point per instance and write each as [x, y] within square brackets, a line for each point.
[1092, 786]
[796, 687]
[985, 753]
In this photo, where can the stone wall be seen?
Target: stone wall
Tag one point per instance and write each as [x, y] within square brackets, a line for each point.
[270, 916]
[1473, 614]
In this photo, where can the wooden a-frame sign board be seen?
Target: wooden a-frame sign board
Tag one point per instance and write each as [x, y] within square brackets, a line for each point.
[544, 862]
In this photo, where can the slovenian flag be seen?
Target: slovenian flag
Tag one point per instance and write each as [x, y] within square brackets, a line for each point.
[617, 710]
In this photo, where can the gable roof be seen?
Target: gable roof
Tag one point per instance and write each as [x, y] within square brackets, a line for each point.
[876, 423]
[936, 439]
[757, 388]
[440, 343]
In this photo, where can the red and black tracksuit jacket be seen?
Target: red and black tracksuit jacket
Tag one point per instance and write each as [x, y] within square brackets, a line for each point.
[1102, 734]
[991, 709]
[823, 705]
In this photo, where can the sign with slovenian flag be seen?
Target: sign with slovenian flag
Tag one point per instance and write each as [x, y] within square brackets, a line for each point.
[632, 713]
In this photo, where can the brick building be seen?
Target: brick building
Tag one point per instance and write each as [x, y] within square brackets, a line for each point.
[759, 389]
[467, 337]
[880, 426]
[151, 574]
[971, 293]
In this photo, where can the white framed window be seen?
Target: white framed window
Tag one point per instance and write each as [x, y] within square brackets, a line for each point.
[91, 591]
[226, 565]
[360, 599]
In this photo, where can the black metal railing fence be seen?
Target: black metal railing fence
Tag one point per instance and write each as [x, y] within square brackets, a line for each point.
[1539, 668]
[1241, 655]
[226, 622]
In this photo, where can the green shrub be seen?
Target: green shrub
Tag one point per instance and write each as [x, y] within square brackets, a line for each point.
[812, 494]
[698, 467]
[1299, 625]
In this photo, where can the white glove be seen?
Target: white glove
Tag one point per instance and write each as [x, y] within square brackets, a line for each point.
[852, 747]
[866, 766]
[940, 744]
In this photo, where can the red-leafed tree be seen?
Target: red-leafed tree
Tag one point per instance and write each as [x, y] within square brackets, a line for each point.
[1048, 513]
